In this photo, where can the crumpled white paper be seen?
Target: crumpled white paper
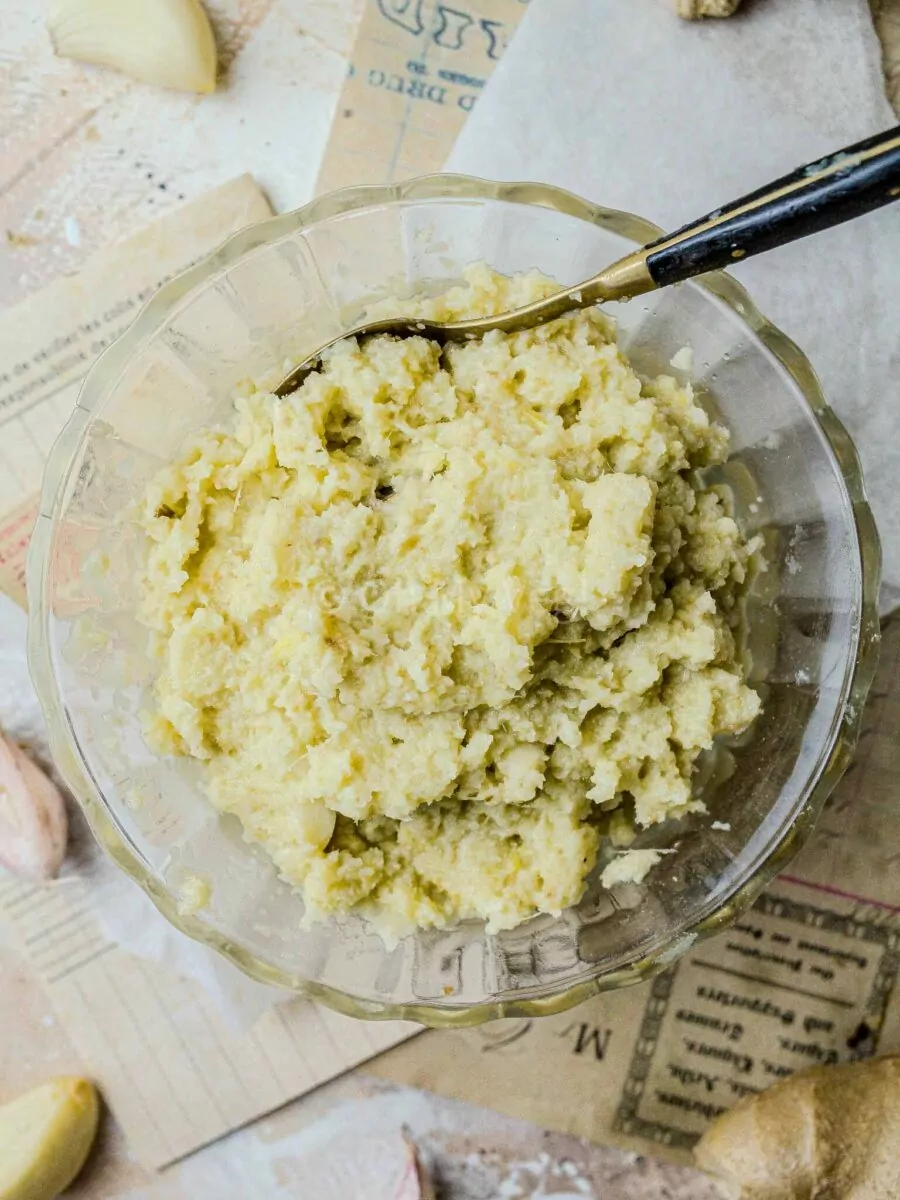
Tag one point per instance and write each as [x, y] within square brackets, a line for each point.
[622, 102]
[126, 914]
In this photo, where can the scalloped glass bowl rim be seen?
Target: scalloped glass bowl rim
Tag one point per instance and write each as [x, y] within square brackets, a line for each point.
[833, 760]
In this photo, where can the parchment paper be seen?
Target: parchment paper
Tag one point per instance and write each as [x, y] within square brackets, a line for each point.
[670, 119]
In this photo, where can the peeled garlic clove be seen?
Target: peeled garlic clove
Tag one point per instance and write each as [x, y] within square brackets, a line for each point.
[33, 825]
[45, 1137]
[165, 42]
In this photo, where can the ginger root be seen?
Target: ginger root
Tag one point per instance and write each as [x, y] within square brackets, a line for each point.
[829, 1132]
[692, 9]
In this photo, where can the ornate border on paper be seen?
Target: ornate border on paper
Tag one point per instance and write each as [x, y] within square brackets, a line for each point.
[629, 1122]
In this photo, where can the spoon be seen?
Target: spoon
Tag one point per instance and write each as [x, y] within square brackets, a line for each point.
[837, 188]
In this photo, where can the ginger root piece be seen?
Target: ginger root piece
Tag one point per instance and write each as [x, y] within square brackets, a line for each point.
[692, 9]
[830, 1133]
[45, 1137]
[33, 826]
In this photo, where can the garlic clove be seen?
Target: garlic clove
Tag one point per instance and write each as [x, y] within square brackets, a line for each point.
[33, 825]
[45, 1137]
[164, 42]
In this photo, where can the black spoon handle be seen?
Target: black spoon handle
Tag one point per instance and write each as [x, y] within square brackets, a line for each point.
[836, 188]
[844, 185]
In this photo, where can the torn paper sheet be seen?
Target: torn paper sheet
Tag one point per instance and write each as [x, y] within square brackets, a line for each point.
[417, 69]
[48, 343]
[727, 106]
[809, 975]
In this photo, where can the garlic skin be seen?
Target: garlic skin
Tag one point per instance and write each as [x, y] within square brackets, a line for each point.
[33, 824]
[168, 43]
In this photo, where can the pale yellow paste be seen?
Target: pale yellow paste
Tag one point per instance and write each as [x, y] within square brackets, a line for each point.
[431, 618]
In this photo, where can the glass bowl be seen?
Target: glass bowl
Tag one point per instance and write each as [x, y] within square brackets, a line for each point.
[274, 293]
